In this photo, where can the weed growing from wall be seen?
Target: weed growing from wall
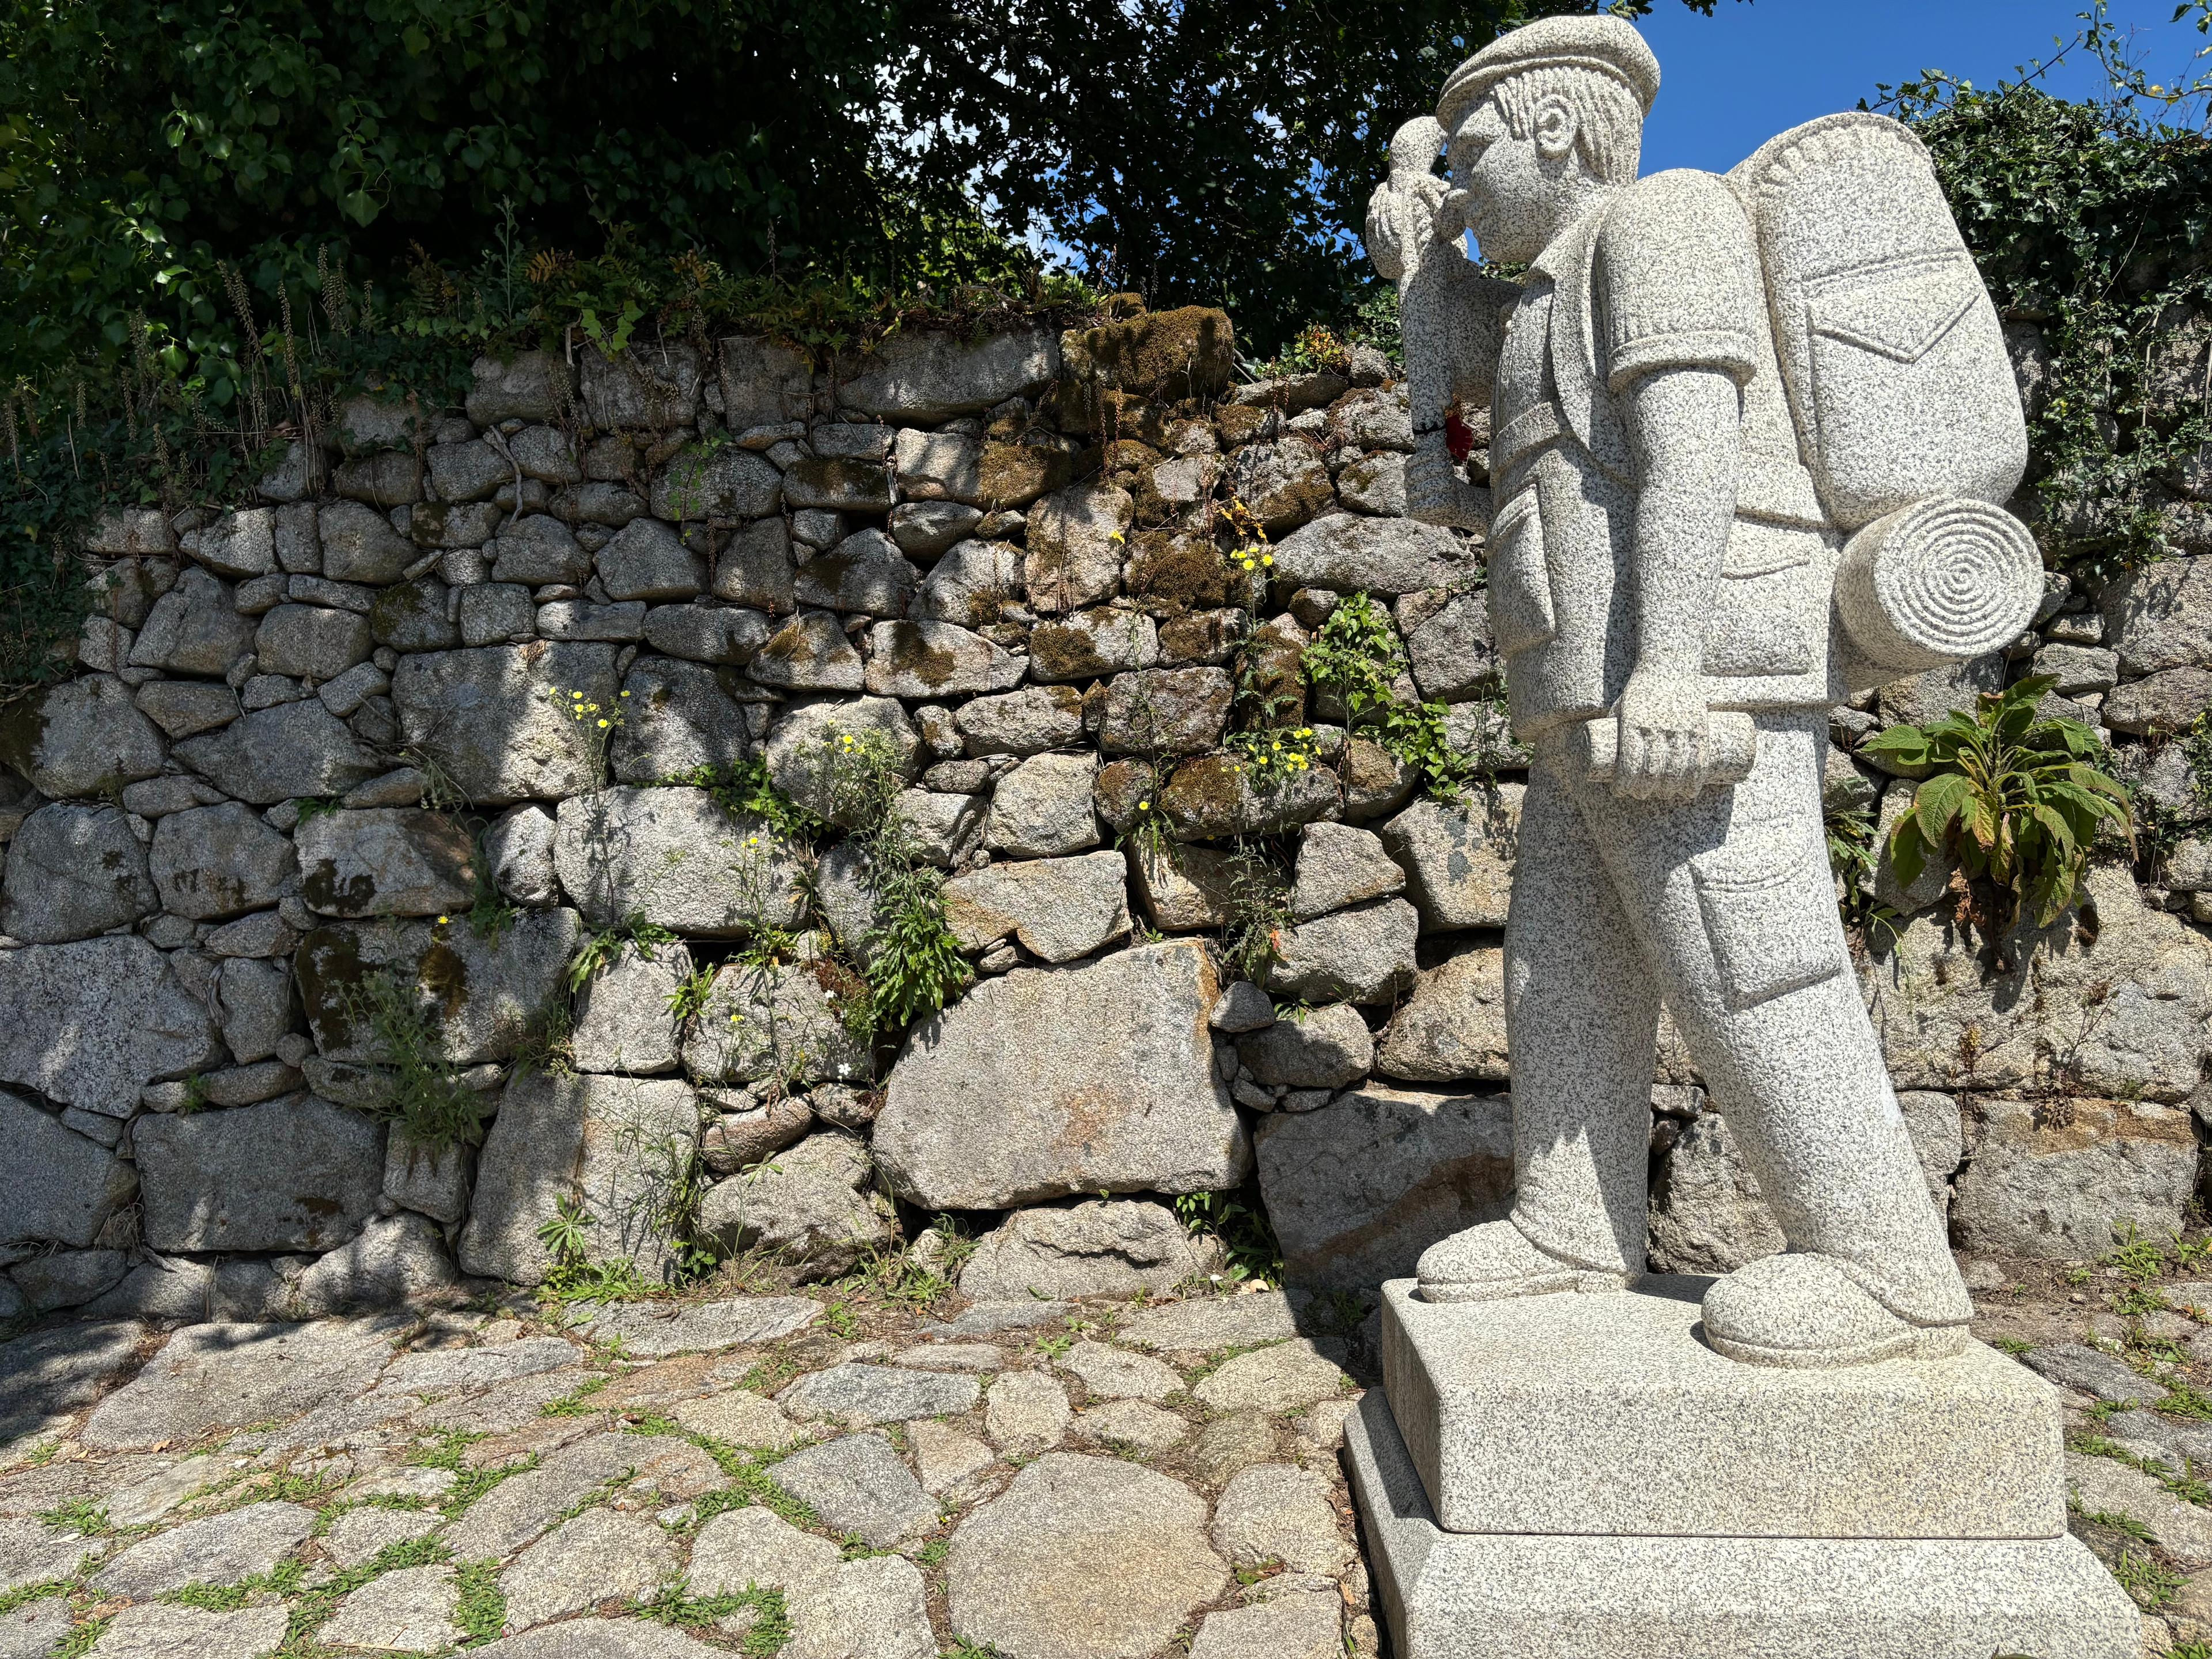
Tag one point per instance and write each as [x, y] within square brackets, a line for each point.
[1259, 909]
[1356, 658]
[912, 963]
[420, 1091]
[1239, 1221]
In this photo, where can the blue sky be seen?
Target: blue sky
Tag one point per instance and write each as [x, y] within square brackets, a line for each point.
[1732, 80]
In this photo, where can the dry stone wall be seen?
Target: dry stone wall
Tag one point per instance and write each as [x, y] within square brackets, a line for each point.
[318, 821]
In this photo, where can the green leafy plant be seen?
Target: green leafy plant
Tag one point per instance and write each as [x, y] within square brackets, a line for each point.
[1357, 657]
[2015, 798]
[566, 1233]
[419, 1089]
[673, 1604]
[548, 1045]
[480, 1608]
[1259, 909]
[601, 947]
[1274, 755]
[691, 993]
[745, 789]
[595, 726]
[914, 965]
[1239, 1221]
[1851, 862]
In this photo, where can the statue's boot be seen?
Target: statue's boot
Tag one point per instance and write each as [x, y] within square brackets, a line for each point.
[1495, 1260]
[1803, 1312]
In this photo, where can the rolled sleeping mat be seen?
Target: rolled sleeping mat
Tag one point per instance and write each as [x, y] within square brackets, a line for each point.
[1937, 582]
[1731, 747]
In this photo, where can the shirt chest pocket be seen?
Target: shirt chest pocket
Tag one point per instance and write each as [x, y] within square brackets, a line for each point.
[1521, 616]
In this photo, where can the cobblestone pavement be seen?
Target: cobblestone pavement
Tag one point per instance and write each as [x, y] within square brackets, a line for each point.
[829, 1477]
[1048, 1480]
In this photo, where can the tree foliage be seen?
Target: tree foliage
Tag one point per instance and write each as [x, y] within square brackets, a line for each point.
[147, 138]
[1208, 150]
[1212, 150]
[2092, 220]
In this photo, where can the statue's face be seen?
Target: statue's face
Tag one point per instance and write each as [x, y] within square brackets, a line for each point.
[1517, 193]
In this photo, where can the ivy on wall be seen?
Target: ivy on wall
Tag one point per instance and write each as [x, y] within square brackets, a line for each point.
[2090, 222]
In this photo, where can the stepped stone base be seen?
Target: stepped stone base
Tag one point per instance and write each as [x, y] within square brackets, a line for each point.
[1489, 1595]
[1609, 1414]
[1579, 1477]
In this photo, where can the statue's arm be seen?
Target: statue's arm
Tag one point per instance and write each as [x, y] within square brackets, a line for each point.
[1682, 426]
[1451, 317]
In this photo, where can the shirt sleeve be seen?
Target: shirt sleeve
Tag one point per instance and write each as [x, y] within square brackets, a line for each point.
[1677, 282]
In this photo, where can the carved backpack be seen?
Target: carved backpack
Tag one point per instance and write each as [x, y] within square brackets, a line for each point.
[1891, 355]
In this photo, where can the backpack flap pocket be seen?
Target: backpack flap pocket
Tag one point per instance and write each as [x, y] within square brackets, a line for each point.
[1902, 315]
[1520, 613]
[1913, 394]
[1768, 905]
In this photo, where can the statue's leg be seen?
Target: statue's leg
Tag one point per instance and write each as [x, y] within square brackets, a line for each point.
[1582, 1013]
[1732, 894]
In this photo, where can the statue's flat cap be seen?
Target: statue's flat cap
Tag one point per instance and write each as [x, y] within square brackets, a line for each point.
[1610, 46]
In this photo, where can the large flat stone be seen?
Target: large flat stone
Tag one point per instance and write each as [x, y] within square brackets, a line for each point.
[1346, 551]
[92, 1024]
[297, 1174]
[410, 1611]
[601, 1638]
[925, 378]
[1082, 1558]
[73, 872]
[83, 737]
[1456, 1596]
[597, 1555]
[1359, 1189]
[857, 1484]
[495, 719]
[60, 1368]
[2039, 1188]
[654, 1330]
[294, 749]
[613, 1144]
[877, 1607]
[678, 858]
[226, 1375]
[1521, 1416]
[524, 1505]
[158, 1629]
[1205, 1323]
[1079, 1079]
[221, 1550]
[2132, 1000]
[865, 1395]
[55, 1183]
[1103, 1246]
[484, 994]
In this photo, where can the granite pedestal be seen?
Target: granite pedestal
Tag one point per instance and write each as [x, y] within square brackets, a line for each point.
[1579, 1477]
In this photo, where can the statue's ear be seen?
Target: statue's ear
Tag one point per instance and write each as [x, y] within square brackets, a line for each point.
[1553, 126]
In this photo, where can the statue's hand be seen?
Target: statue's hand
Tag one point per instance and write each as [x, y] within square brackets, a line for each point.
[1401, 215]
[1663, 746]
[1397, 228]
[1436, 493]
